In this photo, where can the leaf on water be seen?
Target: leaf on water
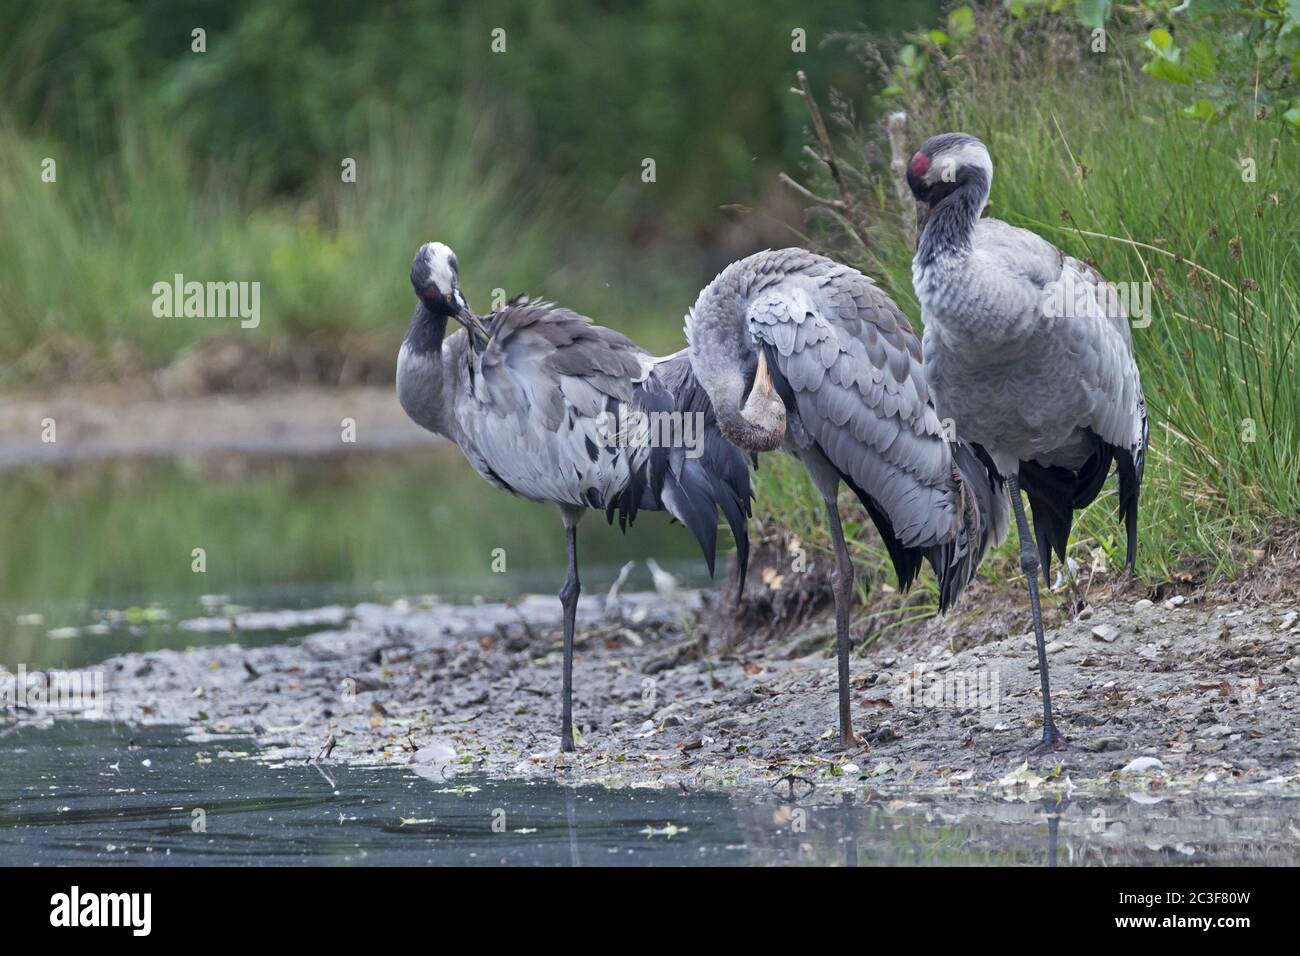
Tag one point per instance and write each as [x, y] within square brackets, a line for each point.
[669, 830]
[1022, 776]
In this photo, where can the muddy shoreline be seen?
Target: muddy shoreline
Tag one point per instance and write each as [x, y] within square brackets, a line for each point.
[79, 425]
[1156, 699]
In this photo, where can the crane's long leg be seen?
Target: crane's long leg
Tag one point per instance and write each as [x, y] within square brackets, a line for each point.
[569, 599]
[1029, 563]
[842, 584]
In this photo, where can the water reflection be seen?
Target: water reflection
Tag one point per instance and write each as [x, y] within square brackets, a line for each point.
[92, 793]
[121, 536]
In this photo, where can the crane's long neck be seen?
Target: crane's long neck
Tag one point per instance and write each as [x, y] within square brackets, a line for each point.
[422, 373]
[951, 224]
[726, 363]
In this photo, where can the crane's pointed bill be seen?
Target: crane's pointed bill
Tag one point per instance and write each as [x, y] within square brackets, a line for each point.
[467, 318]
[763, 377]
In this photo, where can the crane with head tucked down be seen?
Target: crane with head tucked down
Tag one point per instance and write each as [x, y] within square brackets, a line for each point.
[1029, 352]
[801, 353]
[534, 396]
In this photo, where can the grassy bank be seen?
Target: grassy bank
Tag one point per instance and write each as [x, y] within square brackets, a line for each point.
[1100, 158]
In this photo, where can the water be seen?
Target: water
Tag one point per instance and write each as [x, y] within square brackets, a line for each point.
[100, 559]
[96, 793]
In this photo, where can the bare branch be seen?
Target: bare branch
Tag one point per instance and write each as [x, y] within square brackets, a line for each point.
[844, 205]
[809, 195]
[896, 127]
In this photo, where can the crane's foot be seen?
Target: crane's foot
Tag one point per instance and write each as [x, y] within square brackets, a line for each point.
[566, 742]
[1052, 742]
[848, 739]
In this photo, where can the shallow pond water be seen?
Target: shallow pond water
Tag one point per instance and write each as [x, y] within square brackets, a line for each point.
[95, 793]
[99, 559]
[104, 566]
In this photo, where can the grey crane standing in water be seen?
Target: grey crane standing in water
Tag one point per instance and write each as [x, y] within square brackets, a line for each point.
[539, 400]
[801, 353]
[1028, 351]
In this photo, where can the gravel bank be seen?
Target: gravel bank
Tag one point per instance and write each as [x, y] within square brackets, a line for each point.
[1154, 698]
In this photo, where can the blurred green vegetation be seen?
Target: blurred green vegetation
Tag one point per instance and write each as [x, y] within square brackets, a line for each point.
[226, 164]
[586, 88]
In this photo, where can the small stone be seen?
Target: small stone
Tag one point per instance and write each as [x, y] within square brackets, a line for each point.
[1102, 744]
[1176, 601]
[1086, 613]
[1288, 619]
[1104, 632]
[1292, 666]
[886, 733]
[1142, 764]
[1143, 605]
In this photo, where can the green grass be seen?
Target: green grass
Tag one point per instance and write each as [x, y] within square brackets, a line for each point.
[1162, 201]
[77, 276]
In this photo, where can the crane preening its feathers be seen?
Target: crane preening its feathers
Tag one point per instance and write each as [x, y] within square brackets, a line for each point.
[801, 353]
[1050, 396]
[529, 393]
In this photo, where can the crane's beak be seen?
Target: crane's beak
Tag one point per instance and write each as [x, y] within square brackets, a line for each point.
[923, 211]
[467, 318]
[763, 378]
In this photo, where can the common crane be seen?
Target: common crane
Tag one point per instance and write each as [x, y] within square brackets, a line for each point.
[1028, 351]
[534, 396]
[801, 353]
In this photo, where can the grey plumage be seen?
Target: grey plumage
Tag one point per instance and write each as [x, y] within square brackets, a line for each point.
[852, 404]
[538, 399]
[533, 412]
[1053, 397]
[847, 365]
[1029, 352]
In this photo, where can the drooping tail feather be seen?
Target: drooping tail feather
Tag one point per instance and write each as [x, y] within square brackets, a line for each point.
[692, 480]
[985, 518]
[985, 512]
[1055, 494]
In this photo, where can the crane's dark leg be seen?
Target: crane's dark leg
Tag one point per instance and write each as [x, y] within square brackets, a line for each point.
[569, 599]
[1029, 563]
[842, 584]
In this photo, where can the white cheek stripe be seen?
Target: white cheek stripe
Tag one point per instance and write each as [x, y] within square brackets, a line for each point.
[969, 154]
